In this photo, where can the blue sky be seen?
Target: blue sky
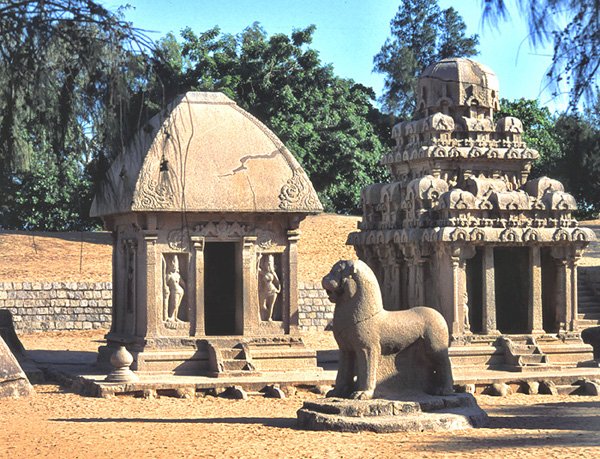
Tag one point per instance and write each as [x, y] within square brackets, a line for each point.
[350, 32]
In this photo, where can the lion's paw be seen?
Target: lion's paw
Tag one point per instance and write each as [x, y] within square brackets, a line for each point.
[362, 395]
[337, 392]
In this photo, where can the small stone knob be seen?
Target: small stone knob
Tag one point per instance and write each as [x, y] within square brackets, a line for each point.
[121, 360]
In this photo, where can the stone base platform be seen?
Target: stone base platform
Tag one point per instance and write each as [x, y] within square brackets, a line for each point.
[415, 413]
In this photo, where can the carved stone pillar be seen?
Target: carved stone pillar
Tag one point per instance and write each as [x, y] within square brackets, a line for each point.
[573, 262]
[458, 257]
[198, 319]
[290, 316]
[566, 301]
[535, 313]
[384, 252]
[396, 270]
[153, 294]
[250, 312]
[131, 310]
[489, 326]
[420, 261]
[409, 258]
[115, 281]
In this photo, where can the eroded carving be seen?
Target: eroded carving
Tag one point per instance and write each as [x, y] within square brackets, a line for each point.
[297, 193]
[269, 286]
[173, 289]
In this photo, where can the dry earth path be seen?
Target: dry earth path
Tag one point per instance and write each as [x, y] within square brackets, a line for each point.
[57, 423]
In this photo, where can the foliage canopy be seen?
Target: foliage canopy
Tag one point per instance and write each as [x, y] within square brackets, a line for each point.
[576, 57]
[421, 34]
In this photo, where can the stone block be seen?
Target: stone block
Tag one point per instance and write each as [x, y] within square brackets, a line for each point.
[530, 387]
[590, 387]
[36, 286]
[498, 390]
[548, 387]
[3, 295]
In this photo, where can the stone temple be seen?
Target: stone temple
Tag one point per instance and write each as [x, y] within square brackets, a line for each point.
[204, 207]
[462, 229]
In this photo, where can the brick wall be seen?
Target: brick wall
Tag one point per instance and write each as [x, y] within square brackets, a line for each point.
[41, 306]
[315, 311]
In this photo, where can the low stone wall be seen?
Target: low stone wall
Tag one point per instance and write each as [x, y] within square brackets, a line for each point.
[315, 311]
[43, 306]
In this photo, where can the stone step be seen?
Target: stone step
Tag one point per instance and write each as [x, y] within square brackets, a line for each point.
[532, 359]
[567, 389]
[586, 323]
[539, 367]
[524, 349]
[589, 316]
[235, 365]
[230, 354]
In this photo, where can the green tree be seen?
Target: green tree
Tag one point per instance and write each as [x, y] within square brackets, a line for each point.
[421, 34]
[323, 119]
[569, 147]
[576, 57]
[539, 127]
[579, 166]
[67, 70]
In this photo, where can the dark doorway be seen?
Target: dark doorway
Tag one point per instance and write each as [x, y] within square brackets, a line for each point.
[549, 291]
[475, 290]
[511, 272]
[220, 289]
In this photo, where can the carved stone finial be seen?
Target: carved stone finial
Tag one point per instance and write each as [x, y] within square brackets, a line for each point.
[122, 360]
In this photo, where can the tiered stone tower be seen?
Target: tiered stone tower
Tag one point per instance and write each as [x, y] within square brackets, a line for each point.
[463, 230]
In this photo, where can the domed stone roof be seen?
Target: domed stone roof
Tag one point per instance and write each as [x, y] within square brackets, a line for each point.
[457, 82]
[205, 154]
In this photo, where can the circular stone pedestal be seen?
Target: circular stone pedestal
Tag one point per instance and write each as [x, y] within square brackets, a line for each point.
[418, 414]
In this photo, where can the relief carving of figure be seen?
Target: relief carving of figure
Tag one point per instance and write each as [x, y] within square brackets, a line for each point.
[174, 289]
[269, 285]
[467, 322]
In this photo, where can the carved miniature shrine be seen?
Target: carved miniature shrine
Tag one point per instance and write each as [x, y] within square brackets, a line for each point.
[204, 207]
[462, 229]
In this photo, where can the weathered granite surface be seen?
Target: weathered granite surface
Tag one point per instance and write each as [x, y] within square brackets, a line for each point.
[13, 381]
[414, 413]
[205, 206]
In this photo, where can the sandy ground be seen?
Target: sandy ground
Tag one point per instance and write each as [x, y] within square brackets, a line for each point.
[55, 423]
[75, 257]
[58, 424]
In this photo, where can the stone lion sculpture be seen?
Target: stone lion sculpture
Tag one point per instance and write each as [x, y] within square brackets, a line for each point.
[364, 331]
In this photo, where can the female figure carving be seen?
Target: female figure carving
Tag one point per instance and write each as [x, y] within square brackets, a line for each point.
[173, 290]
[269, 285]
